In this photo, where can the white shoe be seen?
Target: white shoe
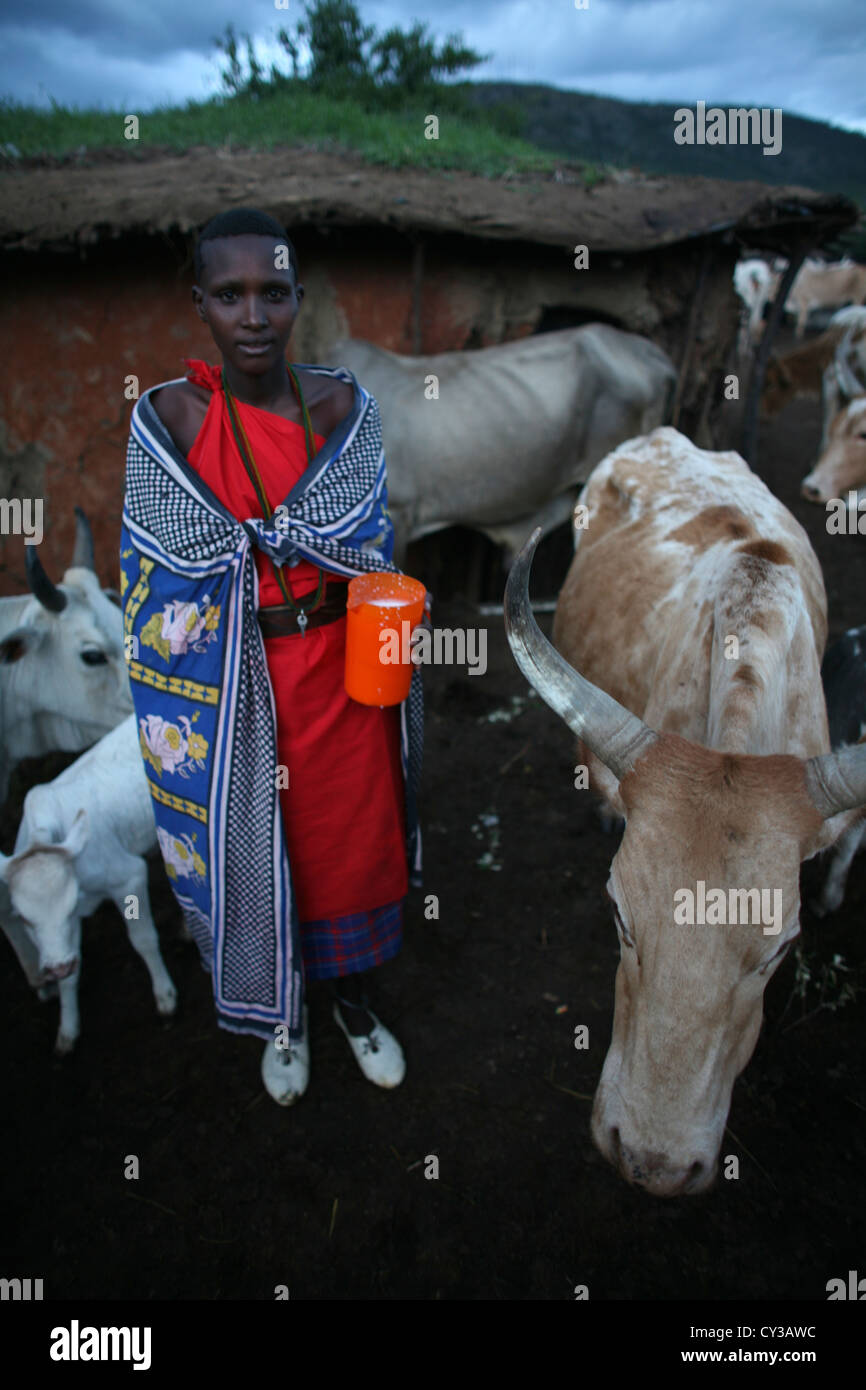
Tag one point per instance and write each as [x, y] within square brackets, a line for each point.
[378, 1053]
[286, 1070]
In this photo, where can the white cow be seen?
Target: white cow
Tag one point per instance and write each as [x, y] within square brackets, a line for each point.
[756, 284]
[499, 439]
[63, 678]
[825, 285]
[81, 840]
[689, 634]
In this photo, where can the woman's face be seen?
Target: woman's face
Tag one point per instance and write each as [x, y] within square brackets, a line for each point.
[248, 304]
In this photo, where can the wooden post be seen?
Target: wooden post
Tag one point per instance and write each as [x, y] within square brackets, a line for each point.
[691, 332]
[749, 443]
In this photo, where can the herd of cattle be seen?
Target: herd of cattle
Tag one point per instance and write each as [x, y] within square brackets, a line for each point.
[686, 657]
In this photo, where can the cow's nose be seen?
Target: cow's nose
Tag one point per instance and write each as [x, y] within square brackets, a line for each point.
[658, 1173]
[811, 492]
[60, 972]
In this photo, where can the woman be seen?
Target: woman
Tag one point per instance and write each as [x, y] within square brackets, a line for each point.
[285, 810]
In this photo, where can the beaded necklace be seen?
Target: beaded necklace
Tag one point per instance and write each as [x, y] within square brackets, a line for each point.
[297, 606]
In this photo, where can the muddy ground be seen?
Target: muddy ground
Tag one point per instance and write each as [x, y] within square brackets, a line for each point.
[237, 1196]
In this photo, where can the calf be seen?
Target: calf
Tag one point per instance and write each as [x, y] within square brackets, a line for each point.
[841, 468]
[81, 840]
[690, 629]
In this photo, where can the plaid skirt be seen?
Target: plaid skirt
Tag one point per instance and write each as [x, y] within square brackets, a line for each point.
[347, 945]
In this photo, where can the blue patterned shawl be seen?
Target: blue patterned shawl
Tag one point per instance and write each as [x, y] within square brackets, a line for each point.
[203, 697]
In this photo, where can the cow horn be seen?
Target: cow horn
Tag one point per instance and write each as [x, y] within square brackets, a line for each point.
[613, 733]
[41, 587]
[83, 553]
[849, 384]
[837, 781]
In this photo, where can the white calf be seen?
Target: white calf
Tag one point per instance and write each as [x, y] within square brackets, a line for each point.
[81, 840]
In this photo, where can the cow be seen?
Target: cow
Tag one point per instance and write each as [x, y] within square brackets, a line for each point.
[756, 284]
[81, 840]
[833, 365]
[825, 285]
[499, 439]
[688, 638]
[64, 681]
[843, 675]
[841, 467]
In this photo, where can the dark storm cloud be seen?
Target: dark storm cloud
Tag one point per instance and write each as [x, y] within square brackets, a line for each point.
[158, 26]
[798, 54]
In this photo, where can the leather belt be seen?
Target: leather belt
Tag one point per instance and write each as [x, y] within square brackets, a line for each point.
[282, 621]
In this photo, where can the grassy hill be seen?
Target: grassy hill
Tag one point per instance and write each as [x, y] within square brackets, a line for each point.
[625, 133]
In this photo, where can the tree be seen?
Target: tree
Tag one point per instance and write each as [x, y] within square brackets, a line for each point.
[337, 39]
[411, 62]
[346, 56]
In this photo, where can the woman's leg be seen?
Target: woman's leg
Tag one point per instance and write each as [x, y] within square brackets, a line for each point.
[350, 991]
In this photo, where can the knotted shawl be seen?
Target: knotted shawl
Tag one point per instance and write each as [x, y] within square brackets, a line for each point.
[203, 698]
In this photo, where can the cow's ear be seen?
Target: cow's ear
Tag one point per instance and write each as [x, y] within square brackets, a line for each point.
[79, 833]
[16, 643]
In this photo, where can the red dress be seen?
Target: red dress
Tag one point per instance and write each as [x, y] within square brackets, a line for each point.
[344, 809]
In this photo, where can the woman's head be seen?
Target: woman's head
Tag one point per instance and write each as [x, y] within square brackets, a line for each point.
[247, 289]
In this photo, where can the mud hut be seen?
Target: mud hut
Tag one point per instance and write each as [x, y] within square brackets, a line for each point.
[98, 258]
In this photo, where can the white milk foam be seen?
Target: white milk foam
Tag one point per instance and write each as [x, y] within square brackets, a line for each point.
[388, 602]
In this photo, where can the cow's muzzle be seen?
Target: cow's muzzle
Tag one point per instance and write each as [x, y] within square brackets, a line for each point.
[60, 972]
[659, 1174]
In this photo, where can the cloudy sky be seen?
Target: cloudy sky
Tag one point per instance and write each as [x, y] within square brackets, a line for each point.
[807, 56]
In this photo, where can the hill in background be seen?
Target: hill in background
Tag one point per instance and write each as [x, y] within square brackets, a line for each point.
[605, 130]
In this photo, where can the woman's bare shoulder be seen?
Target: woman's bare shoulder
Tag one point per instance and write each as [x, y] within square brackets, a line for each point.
[181, 406]
[329, 400]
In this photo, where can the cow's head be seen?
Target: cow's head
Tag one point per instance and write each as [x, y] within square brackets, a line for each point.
[688, 994]
[70, 671]
[43, 886]
[842, 466]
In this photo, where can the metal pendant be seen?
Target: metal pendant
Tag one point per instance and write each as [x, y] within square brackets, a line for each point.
[302, 622]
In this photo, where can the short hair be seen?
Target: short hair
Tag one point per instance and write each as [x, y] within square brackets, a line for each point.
[242, 222]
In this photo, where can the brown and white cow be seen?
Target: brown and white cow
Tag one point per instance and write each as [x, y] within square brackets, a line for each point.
[841, 468]
[825, 285]
[690, 630]
[833, 366]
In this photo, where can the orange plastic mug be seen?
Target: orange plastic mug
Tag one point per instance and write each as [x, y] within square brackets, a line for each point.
[380, 604]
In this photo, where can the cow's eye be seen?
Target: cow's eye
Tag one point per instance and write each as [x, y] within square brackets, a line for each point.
[94, 657]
